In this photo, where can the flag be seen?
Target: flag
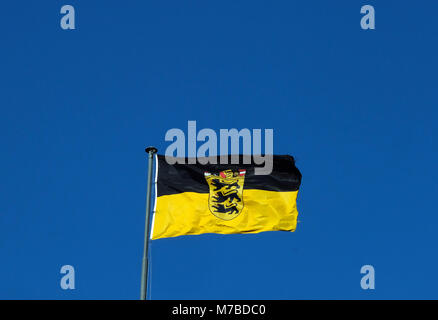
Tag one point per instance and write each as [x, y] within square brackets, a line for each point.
[224, 198]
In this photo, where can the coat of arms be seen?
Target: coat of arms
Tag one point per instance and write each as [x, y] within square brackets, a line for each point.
[226, 193]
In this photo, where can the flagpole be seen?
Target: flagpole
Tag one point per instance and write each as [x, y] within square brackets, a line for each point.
[144, 269]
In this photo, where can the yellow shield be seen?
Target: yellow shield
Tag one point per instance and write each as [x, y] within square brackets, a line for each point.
[226, 193]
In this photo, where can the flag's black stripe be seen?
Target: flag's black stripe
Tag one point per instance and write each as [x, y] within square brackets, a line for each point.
[177, 178]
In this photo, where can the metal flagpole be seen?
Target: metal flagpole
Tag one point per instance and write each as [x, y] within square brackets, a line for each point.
[144, 269]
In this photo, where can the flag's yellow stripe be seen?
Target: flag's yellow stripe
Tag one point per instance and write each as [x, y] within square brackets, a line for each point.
[187, 213]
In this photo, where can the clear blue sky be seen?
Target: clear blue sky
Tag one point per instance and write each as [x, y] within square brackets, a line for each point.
[358, 110]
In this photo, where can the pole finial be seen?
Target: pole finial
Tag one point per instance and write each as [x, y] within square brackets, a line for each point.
[151, 150]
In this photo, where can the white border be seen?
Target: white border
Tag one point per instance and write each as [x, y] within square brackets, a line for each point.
[155, 196]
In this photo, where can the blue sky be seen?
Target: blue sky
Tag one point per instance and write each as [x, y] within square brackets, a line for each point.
[358, 110]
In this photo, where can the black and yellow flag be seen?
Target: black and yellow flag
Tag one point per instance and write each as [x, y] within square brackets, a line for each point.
[218, 198]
